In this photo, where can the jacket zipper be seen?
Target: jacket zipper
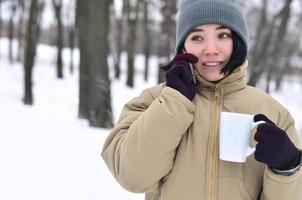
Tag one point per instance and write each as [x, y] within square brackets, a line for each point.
[213, 149]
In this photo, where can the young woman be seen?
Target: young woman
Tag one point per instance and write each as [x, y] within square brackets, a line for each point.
[165, 143]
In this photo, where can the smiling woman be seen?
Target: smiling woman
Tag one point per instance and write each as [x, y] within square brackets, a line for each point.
[166, 142]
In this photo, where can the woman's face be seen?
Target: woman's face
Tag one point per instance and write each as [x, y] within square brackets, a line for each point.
[213, 45]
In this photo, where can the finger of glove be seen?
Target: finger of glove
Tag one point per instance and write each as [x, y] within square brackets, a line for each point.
[259, 157]
[261, 137]
[259, 148]
[262, 117]
[271, 135]
[271, 129]
[180, 71]
[188, 57]
[259, 153]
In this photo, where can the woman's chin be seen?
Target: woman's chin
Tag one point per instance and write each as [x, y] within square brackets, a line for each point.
[213, 77]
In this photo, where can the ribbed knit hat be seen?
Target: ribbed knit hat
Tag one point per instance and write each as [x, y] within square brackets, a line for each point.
[193, 13]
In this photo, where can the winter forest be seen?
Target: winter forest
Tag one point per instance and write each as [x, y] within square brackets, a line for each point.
[67, 67]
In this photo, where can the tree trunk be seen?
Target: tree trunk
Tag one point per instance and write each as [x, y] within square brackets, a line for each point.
[261, 53]
[95, 100]
[71, 46]
[292, 47]
[0, 28]
[147, 39]
[20, 33]
[260, 34]
[100, 113]
[131, 41]
[11, 31]
[118, 45]
[281, 74]
[167, 43]
[82, 23]
[118, 51]
[260, 49]
[30, 50]
[278, 43]
[57, 4]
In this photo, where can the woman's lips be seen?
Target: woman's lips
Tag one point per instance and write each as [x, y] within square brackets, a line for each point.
[213, 65]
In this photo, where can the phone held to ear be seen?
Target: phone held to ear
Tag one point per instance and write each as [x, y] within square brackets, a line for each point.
[192, 70]
[193, 74]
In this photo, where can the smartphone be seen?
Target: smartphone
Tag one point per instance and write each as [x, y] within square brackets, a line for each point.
[192, 70]
[193, 74]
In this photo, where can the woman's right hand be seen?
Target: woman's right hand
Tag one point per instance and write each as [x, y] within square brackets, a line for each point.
[179, 76]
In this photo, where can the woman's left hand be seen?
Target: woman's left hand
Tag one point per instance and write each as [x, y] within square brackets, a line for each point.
[274, 147]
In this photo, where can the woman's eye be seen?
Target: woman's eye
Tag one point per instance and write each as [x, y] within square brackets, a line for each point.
[225, 35]
[196, 38]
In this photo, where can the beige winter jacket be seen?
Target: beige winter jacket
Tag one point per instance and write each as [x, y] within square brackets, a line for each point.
[167, 146]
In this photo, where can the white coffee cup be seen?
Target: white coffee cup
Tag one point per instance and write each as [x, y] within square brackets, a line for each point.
[236, 138]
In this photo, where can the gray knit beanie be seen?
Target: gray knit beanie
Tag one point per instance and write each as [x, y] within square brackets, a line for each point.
[193, 13]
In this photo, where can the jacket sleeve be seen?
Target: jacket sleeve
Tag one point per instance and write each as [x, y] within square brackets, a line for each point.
[279, 187]
[141, 148]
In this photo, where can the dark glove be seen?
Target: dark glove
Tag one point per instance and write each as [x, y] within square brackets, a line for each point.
[274, 147]
[179, 76]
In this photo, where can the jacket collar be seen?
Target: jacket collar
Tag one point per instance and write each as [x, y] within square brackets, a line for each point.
[231, 83]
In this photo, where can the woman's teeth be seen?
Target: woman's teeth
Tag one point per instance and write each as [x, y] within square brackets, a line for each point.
[212, 64]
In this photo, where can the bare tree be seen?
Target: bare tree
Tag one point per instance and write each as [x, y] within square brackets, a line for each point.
[167, 43]
[281, 32]
[33, 28]
[132, 8]
[117, 46]
[82, 22]
[285, 63]
[96, 18]
[0, 25]
[147, 37]
[291, 48]
[20, 31]
[263, 39]
[71, 33]
[71, 41]
[57, 4]
[13, 8]
[266, 41]
[100, 113]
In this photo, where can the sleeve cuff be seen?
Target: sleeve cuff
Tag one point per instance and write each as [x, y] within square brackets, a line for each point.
[273, 176]
[286, 172]
[290, 171]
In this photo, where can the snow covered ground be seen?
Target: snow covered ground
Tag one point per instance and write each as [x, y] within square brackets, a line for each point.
[47, 153]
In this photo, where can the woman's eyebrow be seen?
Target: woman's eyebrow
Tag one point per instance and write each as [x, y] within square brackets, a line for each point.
[201, 30]
[221, 27]
[197, 30]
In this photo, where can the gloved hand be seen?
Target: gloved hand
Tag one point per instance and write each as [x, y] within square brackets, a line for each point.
[179, 76]
[274, 147]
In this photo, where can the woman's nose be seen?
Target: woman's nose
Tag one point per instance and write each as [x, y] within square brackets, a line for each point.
[211, 48]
